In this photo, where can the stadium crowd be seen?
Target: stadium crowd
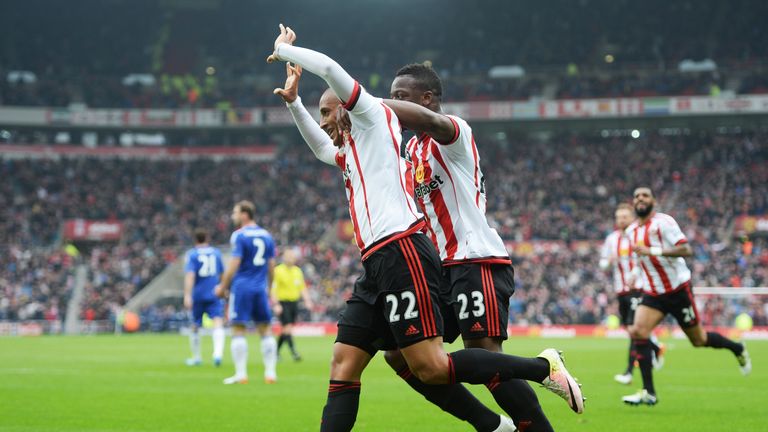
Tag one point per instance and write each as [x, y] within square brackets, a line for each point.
[557, 195]
[193, 57]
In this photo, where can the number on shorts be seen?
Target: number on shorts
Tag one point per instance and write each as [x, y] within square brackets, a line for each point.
[207, 265]
[635, 302]
[410, 308]
[688, 314]
[478, 306]
[258, 257]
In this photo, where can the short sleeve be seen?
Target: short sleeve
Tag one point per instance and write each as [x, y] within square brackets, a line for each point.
[671, 232]
[605, 250]
[462, 145]
[237, 245]
[189, 265]
[270, 252]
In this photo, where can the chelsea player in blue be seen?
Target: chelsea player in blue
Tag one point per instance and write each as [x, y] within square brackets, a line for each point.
[248, 272]
[201, 275]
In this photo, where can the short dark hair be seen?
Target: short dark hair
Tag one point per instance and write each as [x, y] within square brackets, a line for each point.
[201, 235]
[643, 187]
[246, 206]
[425, 76]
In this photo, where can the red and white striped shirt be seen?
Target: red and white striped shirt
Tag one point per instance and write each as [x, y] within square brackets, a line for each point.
[616, 249]
[449, 187]
[375, 176]
[660, 275]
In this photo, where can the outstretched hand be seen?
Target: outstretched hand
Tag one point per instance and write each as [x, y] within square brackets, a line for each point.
[287, 35]
[290, 90]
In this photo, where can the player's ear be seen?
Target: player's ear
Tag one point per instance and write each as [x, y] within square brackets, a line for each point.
[426, 98]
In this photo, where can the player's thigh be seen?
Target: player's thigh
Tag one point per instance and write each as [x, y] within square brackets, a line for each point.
[261, 312]
[480, 299]
[646, 319]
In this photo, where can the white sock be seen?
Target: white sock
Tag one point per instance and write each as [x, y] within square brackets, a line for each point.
[239, 348]
[194, 345]
[269, 354]
[218, 342]
[654, 339]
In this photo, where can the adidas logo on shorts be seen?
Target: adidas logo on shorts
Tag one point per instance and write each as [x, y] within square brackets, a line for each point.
[412, 330]
[477, 327]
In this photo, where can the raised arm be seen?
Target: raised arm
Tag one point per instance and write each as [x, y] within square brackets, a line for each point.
[318, 63]
[317, 140]
[418, 118]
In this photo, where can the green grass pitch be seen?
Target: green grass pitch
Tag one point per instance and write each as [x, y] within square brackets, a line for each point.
[139, 383]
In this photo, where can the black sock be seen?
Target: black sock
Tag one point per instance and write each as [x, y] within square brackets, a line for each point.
[289, 339]
[519, 401]
[456, 400]
[340, 410]
[716, 340]
[280, 341]
[478, 366]
[643, 354]
[631, 363]
[654, 347]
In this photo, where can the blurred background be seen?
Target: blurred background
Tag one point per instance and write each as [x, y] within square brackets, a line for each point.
[125, 124]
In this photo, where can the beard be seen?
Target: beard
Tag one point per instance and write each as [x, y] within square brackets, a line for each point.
[644, 212]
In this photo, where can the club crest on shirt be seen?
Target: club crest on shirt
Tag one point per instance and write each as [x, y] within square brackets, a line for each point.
[419, 173]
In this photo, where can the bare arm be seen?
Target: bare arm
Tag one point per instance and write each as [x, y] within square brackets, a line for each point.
[416, 117]
[189, 282]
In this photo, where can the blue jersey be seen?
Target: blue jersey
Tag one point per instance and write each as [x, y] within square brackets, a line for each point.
[205, 262]
[255, 247]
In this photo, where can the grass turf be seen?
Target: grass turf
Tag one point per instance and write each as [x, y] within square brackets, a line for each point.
[139, 383]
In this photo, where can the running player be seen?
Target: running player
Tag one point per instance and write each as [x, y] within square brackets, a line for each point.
[660, 247]
[395, 301]
[478, 273]
[287, 288]
[248, 271]
[617, 255]
[202, 270]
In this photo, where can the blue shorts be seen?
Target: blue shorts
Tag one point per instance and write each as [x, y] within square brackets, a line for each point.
[213, 307]
[246, 306]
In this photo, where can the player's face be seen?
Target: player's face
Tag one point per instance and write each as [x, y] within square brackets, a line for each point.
[405, 88]
[236, 216]
[643, 201]
[329, 107]
[623, 218]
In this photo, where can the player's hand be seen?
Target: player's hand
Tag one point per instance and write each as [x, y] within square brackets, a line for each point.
[220, 292]
[290, 91]
[344, 125]
[642, 250]
[286, 36]
[188, 302]
[277, 308]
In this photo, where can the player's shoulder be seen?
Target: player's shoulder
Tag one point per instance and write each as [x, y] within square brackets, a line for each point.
[613, 234]
[633, 226]
[664, 218]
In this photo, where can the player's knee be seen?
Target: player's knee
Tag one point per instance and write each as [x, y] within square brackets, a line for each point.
[637, 332]
[395, 360]
[430, 371]
[698, 341]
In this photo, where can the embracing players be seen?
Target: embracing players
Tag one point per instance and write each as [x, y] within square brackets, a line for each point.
[660, 247]
[395, 302]
[202, 270]
[248, 271]
[616, 254]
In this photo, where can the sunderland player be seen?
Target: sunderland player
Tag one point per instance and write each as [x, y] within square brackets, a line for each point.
[202, 270]
[617, 256]
[287, 288]
[395, 301]
[450, 190]
[660, 247]
[248, 272]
